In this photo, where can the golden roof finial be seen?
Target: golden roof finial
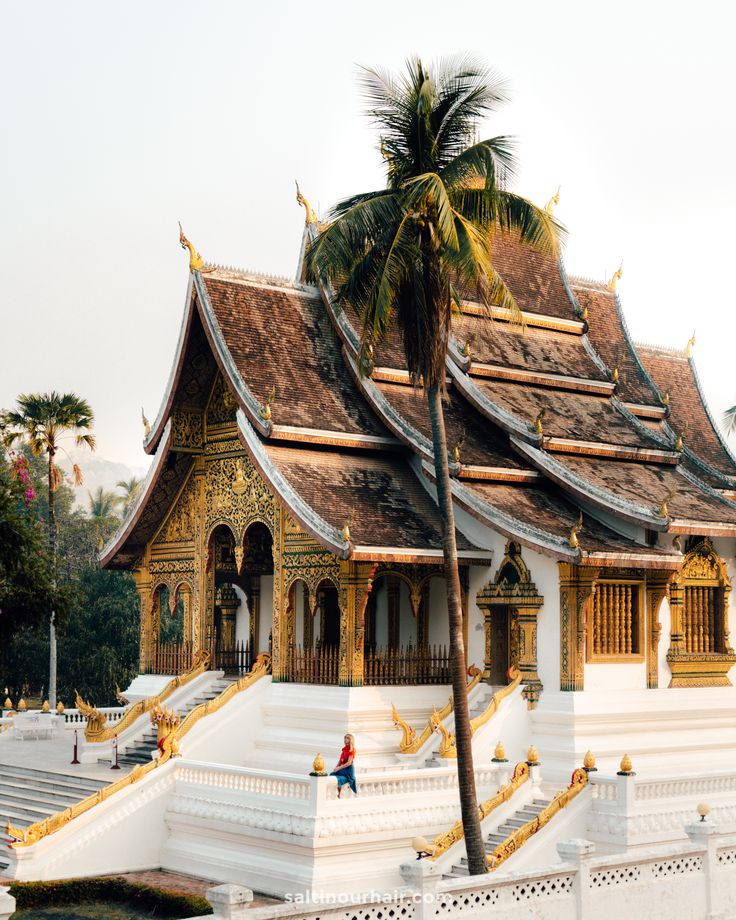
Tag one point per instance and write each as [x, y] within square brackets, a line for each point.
[663, 510]
[554, 201]
[664, 398]
[311, 216]
[584, 314]
[615, 374]
[689, 346]
[146, 423]
[538, 420]
[616, 277]
[345, 532]
[265, 410]
[572, 540]
[196, 262]
[679, 443]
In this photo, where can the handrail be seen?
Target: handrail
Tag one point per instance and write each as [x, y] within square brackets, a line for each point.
[447, 745]
[519, 837]
[96, 731]
[411, 742]
[443, 842]
[169, 749]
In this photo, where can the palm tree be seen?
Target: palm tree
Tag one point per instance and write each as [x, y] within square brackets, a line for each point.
[131, 490]
[43, 419]
[401, 254]
[102, 504]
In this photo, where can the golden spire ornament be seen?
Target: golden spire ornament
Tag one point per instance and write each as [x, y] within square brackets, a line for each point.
[690, 345]
[553, 202]
[196, 262]
[311, 217]
[573, 541]
[680, 442]
[615, 374]
[538, 420]
[616, 277]
[146, 423]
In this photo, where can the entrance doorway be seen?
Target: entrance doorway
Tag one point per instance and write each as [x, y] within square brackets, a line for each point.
[500, 645]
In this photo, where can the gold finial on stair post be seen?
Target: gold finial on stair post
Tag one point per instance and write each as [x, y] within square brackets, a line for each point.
[532, 756]
[318, 766]
[589, 762]
[499, 754]
[626, 767]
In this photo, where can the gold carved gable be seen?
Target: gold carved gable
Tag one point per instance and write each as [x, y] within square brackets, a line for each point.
[307, 560]
[179, 527]
[187, 430]
[702, 563]
[222, 405]
[235, 494]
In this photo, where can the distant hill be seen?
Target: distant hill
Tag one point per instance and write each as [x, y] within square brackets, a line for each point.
[98, 471]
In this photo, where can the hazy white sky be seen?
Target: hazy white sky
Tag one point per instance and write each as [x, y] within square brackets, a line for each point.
[121, 119]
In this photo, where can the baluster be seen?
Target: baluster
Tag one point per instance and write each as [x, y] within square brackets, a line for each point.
[629, 619]
[597, 621]
[711, 598]
[605, 618]
[701, 624]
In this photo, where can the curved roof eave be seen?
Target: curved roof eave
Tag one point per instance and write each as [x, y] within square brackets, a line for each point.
[329, 536]
[586, 491]
[510, 527]
[129, 522]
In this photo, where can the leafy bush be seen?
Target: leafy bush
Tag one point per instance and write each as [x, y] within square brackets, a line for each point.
[158, 901]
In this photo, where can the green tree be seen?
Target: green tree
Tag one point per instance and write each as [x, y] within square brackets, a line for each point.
[43, 419]
[26, 586]
[400, 255]
[131, 489]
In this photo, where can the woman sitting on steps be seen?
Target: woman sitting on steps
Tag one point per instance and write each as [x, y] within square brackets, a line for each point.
[344, 770]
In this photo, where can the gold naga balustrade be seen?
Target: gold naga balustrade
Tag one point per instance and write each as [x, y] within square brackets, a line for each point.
[443, 842]
[168, 749]
[411, 742]
[447, 746]
[519, 837]
[97, 731]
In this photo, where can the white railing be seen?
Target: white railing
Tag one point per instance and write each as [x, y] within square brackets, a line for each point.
[73, 718]
[692, 880]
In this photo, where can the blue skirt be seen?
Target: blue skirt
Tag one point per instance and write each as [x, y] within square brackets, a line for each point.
[346, 776]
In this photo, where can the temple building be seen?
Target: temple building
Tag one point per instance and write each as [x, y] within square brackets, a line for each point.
[286, 547]
[290, 505]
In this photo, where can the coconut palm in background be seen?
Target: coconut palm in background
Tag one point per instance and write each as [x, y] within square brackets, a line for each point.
[43, 420]
[401, 254]
[131, 490]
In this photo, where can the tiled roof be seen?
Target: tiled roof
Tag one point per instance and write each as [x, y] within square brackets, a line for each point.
[547, 509]
[526, 348]
[483, 443]
[386, 501]
[608, 336]
[282, 338]
[568, 414]
[676, 373]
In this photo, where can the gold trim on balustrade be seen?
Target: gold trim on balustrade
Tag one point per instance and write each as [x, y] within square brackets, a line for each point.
[443, 842]
[96, 731]
[411, 742]
[519, 837]
[55, 822]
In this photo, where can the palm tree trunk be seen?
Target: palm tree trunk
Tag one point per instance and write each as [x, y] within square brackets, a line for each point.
[52, 617]
[475, 847]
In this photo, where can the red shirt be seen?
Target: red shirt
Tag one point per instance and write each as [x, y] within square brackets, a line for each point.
[345, 754]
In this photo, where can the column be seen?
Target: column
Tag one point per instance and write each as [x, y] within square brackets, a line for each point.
[356, 579]
[254, 609]
[577, 584]
[656, 590]
[527, 623]
[142, 581]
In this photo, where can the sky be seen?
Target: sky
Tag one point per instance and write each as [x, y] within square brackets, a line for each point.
[120, 119]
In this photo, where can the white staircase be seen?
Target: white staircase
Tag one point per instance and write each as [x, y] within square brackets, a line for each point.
[29, 795]
[140, 748]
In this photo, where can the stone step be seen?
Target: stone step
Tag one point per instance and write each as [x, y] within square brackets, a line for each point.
[47, 777]
[57, 801]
